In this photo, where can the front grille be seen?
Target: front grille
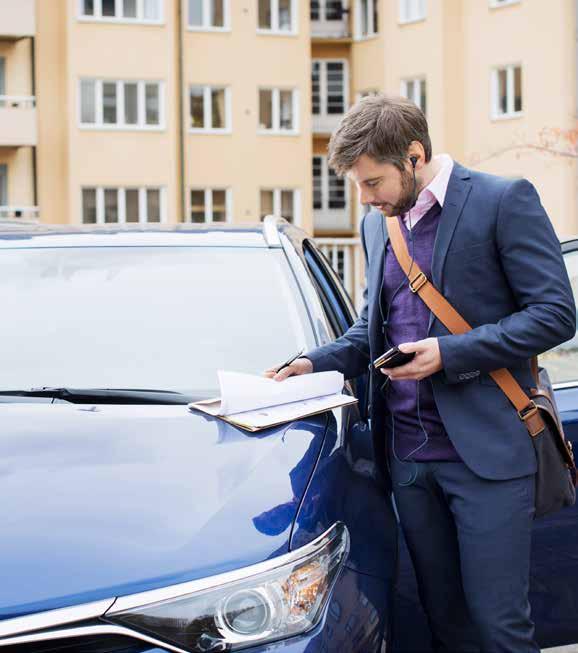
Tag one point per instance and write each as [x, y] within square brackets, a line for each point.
[94, 644]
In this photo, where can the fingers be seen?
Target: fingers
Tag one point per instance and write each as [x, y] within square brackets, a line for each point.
[285, 373]
[300, 366]
[408, 347]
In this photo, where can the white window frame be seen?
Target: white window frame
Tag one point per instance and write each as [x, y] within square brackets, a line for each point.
[498, 4]
[294, 31]
[207, 110]
[373, 30]
[120, 124]
[325, 187]
[359, 95]
[422, 83]
[323, 95]
[121, 203]
[495, 113]
[209, 203]
[277, 202]
[118, 17]
[205, 27]
[407, 16]
[276, 104]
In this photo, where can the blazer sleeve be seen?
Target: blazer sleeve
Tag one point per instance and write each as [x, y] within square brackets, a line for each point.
[532, 261]
[349, 354]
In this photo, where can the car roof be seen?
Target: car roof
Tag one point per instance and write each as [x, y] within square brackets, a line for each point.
[39, 235]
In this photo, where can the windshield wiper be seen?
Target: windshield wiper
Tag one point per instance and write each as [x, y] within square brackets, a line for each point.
[105, 395]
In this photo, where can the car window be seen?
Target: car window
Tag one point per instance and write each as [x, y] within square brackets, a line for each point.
[562, 361]
[336, 303]
[146, 317]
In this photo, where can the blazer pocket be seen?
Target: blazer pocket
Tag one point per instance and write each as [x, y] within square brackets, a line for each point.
[471, 252]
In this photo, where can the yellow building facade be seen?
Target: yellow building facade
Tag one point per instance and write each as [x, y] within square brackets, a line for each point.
[221, 110]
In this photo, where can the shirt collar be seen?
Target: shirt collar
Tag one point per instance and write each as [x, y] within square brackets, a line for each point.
[438, 186]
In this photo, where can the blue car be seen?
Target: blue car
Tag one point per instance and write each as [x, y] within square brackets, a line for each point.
[133, 525]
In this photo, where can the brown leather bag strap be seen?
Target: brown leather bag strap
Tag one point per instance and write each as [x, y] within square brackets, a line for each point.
[454, 322]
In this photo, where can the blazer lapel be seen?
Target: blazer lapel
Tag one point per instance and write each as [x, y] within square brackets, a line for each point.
[457, 193]
[377, 241]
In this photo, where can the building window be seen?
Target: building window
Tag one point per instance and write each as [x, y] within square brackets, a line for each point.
[136, 11]
[3, 184]
[209, 14]
[111, 205]
[366, 18]
[412, 10]
[277, 16]
[507, 92]
[329, 190]
[280, 202]
[211, 205]
[121, 104]
[415, 90]
[328, 87]
[210, 109]
[278, 111]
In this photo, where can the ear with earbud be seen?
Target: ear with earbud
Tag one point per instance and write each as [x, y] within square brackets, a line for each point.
[414, 160]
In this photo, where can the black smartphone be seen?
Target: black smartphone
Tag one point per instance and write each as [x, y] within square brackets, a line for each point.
[393, 358]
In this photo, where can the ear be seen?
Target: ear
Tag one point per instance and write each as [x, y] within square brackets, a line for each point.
[416, 150]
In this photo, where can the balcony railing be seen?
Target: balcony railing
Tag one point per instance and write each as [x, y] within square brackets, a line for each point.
[19, 212]
[329, 19]
[17, 101]
[17, 19]
[17, 120]
[346, 259]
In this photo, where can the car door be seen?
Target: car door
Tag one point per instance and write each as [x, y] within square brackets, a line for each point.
[554, 571]
[338, 308]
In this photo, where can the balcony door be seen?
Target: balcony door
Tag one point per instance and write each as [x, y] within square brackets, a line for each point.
[330, 199]
[329, 93]
[329, 18]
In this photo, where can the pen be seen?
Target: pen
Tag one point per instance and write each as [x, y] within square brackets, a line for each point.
[287, 363]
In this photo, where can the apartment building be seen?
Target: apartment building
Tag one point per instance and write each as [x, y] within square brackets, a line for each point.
[221, 110]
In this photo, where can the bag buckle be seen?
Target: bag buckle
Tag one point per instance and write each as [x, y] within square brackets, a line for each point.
[529, 411]
[420, 279]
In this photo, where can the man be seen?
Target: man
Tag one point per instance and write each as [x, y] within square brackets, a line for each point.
[459, 458]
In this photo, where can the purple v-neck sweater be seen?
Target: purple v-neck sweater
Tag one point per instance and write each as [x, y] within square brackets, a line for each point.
[407, 321]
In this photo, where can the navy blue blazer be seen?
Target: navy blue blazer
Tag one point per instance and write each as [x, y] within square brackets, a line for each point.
[498, 261]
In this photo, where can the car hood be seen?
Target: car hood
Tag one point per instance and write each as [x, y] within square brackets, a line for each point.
[101, 501]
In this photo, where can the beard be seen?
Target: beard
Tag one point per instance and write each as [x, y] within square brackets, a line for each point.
[407, 199]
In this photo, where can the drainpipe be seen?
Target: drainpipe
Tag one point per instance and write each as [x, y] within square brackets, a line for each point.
[34, 161]
[181, 116]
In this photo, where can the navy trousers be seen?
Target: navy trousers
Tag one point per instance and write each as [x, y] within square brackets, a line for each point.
[469, 540]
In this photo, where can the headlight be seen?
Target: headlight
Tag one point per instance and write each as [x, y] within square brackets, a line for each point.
[272, 600]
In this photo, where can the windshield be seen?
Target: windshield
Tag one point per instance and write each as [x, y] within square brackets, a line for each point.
[146, 317]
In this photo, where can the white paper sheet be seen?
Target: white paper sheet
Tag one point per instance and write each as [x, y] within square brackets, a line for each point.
[247, 392]
[263, 417]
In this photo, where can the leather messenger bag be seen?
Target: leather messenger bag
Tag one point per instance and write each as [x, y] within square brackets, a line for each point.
[556, 477]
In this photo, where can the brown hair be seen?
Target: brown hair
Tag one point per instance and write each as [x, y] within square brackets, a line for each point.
[381, 126]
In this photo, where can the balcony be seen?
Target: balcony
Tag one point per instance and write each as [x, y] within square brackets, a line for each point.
[329, 19]
[17, 19]
[24, 213]
[344, 254]
[325, 124]
[17, 121]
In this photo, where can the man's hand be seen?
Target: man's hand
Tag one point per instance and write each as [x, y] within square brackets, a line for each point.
[427, 361]
[300, 366]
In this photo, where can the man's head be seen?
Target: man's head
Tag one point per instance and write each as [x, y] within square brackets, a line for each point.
[373, 145]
